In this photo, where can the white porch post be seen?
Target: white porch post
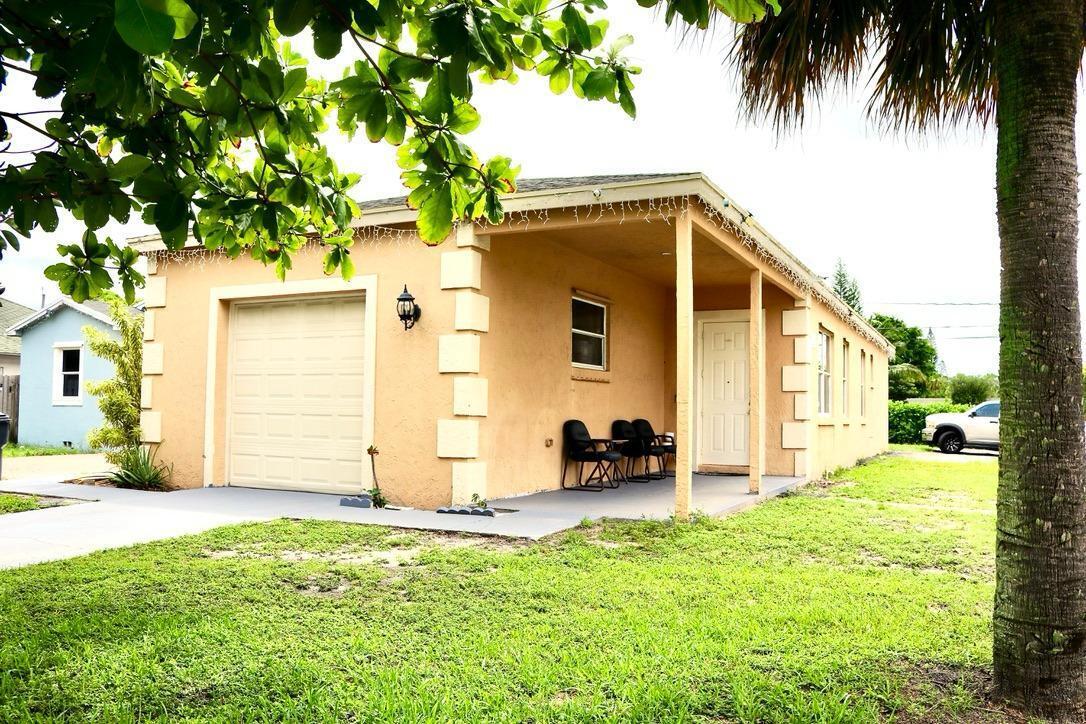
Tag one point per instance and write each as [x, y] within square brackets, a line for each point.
[757, 364]
[684, 363]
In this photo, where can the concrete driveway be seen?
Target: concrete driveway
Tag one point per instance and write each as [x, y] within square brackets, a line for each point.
[114, 518]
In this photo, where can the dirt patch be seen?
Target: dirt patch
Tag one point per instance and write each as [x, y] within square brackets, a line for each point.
[405, 549]
[323, 585]
[931, 688]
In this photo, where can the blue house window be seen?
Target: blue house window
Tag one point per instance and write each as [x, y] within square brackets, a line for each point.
[68, 373]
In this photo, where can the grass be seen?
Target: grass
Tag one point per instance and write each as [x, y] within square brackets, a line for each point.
[25, 451]
[911, 447]
[12, 503]
[860, 601]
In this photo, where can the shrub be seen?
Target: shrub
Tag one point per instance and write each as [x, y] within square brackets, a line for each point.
[119, 396]
[907, 419]
[972, 389]
[906, 380]
[139, 470]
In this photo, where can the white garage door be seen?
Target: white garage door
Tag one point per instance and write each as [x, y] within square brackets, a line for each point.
[296, 395]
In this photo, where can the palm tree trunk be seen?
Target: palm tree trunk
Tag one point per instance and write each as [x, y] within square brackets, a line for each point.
[1040, 600]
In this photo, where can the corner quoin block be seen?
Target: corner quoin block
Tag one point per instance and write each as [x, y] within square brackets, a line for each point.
[461, 269]
[470, 396]
[468, 478]
[457, 438]
[458, 353]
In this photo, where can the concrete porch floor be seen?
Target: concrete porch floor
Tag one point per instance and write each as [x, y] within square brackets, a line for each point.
[713, 495]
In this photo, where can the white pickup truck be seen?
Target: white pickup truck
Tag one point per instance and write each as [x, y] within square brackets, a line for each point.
[952, 431]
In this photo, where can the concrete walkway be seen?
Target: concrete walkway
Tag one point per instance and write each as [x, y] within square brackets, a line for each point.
[114, 518]
[59, 467]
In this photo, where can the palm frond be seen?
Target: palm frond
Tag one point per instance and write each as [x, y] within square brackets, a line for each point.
[932, 60]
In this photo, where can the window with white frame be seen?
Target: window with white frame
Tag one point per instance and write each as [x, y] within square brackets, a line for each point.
[825, 384]
[863, 383]
[68, 373]
[844, 376]
[871, 375]
[589, 330]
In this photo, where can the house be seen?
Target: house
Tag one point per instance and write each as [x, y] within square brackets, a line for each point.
[10, 315]
[596, 298]
[54, 406]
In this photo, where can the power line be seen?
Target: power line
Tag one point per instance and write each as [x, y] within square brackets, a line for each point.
[936, 304]
[985, 336]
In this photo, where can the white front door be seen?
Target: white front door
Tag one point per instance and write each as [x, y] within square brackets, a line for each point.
[725, 393]
[297, 393]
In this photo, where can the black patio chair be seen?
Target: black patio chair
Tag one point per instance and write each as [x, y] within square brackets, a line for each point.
[656, 446]
[632, 449]
[581, 448]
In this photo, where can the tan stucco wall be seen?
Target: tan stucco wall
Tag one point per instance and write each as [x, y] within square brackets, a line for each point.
[526, 357]
[841, 439]
[410, 394]
[524, 361]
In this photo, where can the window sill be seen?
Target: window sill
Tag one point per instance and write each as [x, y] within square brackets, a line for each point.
[74, 402]
[583, 374]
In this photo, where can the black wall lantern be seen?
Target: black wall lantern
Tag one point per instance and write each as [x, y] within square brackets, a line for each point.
[407, 310]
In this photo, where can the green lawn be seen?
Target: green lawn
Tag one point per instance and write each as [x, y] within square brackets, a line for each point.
[862, 601]
[24, 451]
[11, 503]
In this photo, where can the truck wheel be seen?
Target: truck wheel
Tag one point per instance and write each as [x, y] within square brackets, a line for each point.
[951, 442]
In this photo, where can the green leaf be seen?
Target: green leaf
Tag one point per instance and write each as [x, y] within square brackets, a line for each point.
[598, 83]
[346, 266]
[47, 215]
[435, 214]
[293, 84]
[377, 121]
[142, 27]
[171, 211]
[327, 37]
[291, 16]
[222, 100]
[559, 80]
[464, 118]
[56, 272]
[183, 17]
[129, 167]
[577, 27]
[96, 211]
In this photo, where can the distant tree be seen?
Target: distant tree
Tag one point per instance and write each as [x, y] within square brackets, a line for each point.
[847, 287]
[911, 346]
[905, 381]
[118, 397]
[971, 389]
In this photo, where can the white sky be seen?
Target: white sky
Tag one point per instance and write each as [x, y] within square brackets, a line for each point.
[913, 218]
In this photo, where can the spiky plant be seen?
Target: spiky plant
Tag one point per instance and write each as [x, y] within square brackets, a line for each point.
[934, 64]
[119, 396]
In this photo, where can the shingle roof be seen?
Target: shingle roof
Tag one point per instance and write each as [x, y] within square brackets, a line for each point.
[91, 307]
[549, 183]
[10, 315]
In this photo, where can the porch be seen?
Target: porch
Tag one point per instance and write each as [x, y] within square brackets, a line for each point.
[712, 495]
[694, 330]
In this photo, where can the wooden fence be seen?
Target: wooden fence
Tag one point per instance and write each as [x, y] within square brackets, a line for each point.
[9, 403]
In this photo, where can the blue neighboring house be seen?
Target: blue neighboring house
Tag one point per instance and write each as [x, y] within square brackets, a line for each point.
[54, 405]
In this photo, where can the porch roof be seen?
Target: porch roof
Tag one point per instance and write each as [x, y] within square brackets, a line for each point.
[624, 190]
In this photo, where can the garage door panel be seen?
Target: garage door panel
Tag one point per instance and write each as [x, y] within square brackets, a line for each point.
[298, 392]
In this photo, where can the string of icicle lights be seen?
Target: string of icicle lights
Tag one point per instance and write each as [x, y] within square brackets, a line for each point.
[662, 209]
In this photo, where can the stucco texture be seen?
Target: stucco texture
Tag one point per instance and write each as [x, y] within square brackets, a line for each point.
[528, 278]
[40, 421]
[410, 394]
[526, 356]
